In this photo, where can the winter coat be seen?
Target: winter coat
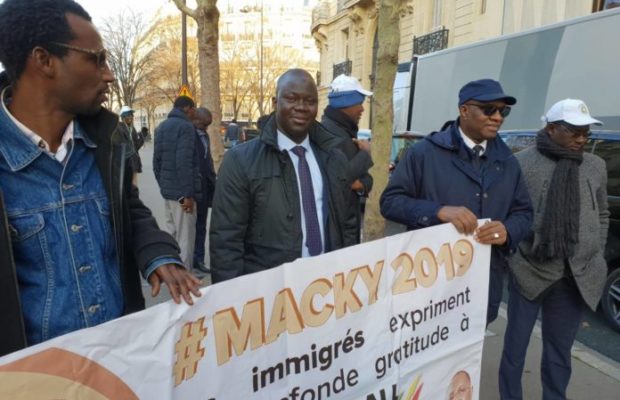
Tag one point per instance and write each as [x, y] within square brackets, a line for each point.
[175, 157]
[256, 214]
[587, 265]
[438, 171]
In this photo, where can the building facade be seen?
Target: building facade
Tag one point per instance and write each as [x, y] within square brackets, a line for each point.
[259, 40]
[346, 30]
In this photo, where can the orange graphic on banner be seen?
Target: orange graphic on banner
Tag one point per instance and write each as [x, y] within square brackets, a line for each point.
[60, 374]
[189, 351]
[185, 92]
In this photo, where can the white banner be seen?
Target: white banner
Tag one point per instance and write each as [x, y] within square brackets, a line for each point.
[398, 318]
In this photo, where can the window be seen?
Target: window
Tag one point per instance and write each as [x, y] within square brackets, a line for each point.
[345, 43]
[483, 6]
[437, 13]
[609, 150]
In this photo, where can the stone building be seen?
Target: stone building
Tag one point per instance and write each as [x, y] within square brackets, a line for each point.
[346, 30]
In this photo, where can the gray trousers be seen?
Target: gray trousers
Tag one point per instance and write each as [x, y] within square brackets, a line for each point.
[182, 226]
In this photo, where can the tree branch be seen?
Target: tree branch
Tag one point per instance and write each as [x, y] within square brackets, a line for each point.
[185, 9]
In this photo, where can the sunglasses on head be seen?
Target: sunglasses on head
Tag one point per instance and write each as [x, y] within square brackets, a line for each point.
[490, 110]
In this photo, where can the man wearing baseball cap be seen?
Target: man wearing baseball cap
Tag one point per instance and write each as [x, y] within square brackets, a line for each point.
[465, 173]
[133, 138]
[560, 266]
[341, 117]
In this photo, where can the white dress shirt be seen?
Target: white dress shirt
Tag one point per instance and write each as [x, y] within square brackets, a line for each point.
[285, 143]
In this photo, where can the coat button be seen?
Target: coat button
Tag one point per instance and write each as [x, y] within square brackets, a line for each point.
[477, 194]
[66, 186]
[85, 268]
[76, 228]
[93, 309]
[485, 195]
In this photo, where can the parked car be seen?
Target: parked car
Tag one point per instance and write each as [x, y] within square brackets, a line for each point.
[400, 143]
[605, 144]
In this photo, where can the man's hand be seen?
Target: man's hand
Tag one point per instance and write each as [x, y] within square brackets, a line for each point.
[180, 282]
[363, 145]
[493, 232]
[357, 186]
[463, 220]
[188, 205]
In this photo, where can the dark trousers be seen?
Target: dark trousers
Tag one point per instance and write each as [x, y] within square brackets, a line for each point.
[202, 210]
[562, 307]
[496, 287]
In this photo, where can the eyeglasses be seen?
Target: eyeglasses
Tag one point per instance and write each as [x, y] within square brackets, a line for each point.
[490, 110]
[575, 131]
[100, 57]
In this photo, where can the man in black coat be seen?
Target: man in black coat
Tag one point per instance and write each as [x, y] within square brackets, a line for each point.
[202, 120]
[79, 235]
[341, 117]
[175, 165]
[283, 195]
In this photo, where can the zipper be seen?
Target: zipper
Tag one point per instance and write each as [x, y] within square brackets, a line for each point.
[591, 194]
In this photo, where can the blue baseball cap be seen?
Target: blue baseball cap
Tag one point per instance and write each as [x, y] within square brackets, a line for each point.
[484, 90]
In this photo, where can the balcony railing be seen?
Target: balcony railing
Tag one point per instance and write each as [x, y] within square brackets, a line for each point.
[343, 68]
[430, 42]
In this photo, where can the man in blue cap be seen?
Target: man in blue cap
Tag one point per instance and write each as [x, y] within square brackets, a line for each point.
[341, 118]
[464, 173]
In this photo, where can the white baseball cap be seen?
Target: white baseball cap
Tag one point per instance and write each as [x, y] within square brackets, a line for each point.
[573, 111]
[126, 110]
[344, 83]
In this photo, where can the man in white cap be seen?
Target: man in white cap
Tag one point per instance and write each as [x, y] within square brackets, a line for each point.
[559, 267]
[133, 138]
[341, 117]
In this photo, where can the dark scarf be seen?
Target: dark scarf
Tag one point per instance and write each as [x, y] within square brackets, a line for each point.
[343, 119]
[560, 223]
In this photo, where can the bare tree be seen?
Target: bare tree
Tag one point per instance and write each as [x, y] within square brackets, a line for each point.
[207, 18]
[387, 64]
[235, 76]
[164, 68]
[124, 37]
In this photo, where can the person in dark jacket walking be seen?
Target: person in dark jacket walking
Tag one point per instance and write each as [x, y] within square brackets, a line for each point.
[341, 117]
[133, 138]
[284, 195]
[560, 266]
[77, 231]
[176, 168]
[232, 133]
[465, 173]
[202, 120]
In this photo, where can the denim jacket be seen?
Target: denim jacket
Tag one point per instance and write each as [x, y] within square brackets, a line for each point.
[79, 233]
[63, 246]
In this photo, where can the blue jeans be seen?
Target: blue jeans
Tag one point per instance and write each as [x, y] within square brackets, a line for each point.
[562, 307]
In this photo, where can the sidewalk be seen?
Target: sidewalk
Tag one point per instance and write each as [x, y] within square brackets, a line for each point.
[594, 375]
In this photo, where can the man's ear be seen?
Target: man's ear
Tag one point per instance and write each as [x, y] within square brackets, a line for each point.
[464, 112]
[274, 101]
[42, 61]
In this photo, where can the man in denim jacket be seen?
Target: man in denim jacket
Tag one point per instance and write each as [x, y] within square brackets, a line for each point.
[77, 230]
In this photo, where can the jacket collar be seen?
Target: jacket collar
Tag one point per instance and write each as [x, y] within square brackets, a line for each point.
[178, 113]
[450, 139]
[19, 151]
[341, 119]
[318, 136]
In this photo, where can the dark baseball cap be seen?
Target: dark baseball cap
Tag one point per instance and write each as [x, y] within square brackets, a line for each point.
[484, 90]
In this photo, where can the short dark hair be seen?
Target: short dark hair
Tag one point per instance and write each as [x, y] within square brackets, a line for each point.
[184, 101]
[27, 24]
[203, 112]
